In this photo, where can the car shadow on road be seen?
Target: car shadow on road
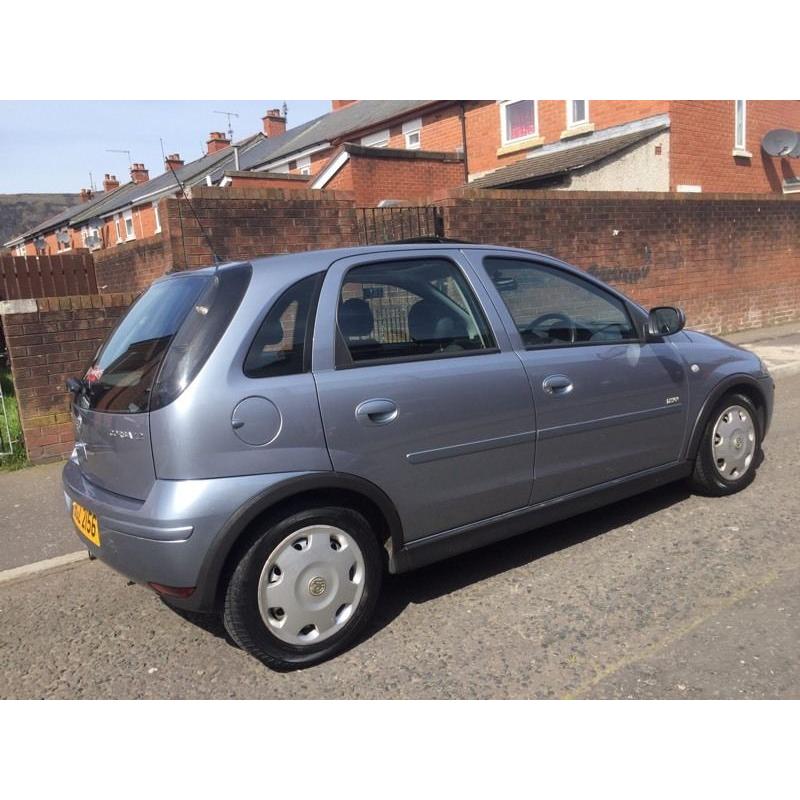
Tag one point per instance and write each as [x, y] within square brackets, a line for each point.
[437, 580]
[449, 576]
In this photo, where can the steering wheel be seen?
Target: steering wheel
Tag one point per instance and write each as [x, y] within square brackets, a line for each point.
[554, 317]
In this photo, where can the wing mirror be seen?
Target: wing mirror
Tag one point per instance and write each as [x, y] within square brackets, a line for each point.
[665, 320]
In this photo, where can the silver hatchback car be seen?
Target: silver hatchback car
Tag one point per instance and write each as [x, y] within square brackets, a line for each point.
[264, 439]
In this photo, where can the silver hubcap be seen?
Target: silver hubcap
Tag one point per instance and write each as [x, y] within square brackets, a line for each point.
[311, 584]
[733, 442]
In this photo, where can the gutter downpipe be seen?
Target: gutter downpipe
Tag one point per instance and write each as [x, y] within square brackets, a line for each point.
[462, 116]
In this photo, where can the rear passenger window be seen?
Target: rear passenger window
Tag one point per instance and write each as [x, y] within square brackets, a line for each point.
[553, 307]
[410, 309]
[279, 347]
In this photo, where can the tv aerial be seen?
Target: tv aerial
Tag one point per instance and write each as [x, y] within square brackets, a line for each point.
[228, 114]
[126, 152]
[781, 143]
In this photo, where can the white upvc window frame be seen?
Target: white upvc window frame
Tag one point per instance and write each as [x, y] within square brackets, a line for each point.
[304, 165]
[157, 218]
[740, 145]
[127, 216]
[412, 129]
[60, 246]
[117, 228]
[576, 123]
[89, 230]
[21, 249]
[504, 139]
[377, 139]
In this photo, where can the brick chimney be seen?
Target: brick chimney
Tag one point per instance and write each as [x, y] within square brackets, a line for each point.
[86, 195]
[337, 104]
[110, 183]
[139, 174]
[217, 141]
[173, 161]
[274, 122]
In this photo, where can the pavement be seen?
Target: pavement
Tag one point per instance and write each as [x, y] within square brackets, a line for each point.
[666, 595]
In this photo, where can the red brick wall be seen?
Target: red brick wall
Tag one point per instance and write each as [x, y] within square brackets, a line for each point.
[47, 346]
[702, 139]
[412, 180]
[731, 262]
[245, 223]
[132, 266]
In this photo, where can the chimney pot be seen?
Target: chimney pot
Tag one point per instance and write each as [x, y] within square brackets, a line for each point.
[217, 141]
[110, 183]
[274, 122]
[173, 161]
[139, 174]
[86, 195]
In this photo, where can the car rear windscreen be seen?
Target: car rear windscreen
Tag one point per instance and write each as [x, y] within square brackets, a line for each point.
[122, 376]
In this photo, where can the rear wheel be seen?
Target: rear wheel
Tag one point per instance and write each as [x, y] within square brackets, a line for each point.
[305, 588]
[726, 459]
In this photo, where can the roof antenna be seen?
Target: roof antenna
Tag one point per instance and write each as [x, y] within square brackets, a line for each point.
[229, 114]
[127, 153]
[217, 259]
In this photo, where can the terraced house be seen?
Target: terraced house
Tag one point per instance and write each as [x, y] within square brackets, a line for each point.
[411, 152]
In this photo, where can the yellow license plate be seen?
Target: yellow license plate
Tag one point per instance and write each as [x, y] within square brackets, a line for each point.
[86, 523]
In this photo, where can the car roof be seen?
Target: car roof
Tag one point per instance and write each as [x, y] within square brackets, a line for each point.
[318, 260]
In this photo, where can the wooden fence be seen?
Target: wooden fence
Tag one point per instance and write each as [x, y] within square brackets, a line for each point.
[63, 275]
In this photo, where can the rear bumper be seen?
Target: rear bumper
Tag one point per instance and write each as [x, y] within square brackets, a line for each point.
[164, 539]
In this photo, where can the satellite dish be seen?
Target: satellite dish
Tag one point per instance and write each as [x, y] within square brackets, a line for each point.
[781, 142]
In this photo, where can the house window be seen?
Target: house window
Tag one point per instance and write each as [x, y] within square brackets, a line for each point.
[127, 216]
[517, 120]
[21, 249]
[411, 132]
[157, 218]
[741, 125]
[63, 240]
[577, 112]
[90, 236]
[118, 227]
[379, 139]
[304, 165]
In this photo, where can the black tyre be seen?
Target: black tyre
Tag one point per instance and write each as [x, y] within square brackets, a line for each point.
[305, 588]
[727, 458]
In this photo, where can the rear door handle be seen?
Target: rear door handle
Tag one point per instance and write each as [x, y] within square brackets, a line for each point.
[557, 385]
[376, 412]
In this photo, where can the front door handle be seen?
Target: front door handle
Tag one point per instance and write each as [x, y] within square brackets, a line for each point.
[557, 385]
[376, 412]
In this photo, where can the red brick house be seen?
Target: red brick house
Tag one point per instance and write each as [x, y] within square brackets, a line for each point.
[412, 152]
[374, 148]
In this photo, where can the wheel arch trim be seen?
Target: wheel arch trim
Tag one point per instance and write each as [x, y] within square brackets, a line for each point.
[724, 386]
[211, 571]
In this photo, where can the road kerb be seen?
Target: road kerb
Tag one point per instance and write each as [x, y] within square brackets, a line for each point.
[39, 568]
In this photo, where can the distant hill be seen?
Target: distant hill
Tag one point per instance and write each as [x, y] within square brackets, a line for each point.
[19, 212]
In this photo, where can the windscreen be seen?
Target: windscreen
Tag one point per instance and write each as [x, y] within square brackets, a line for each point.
[122, 376]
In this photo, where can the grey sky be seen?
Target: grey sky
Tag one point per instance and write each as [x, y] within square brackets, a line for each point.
[51, 146]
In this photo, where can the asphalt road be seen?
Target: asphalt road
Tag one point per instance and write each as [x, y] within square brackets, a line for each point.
[665, 595]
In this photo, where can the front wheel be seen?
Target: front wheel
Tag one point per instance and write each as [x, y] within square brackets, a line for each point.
[726, 459]
[305, 588]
